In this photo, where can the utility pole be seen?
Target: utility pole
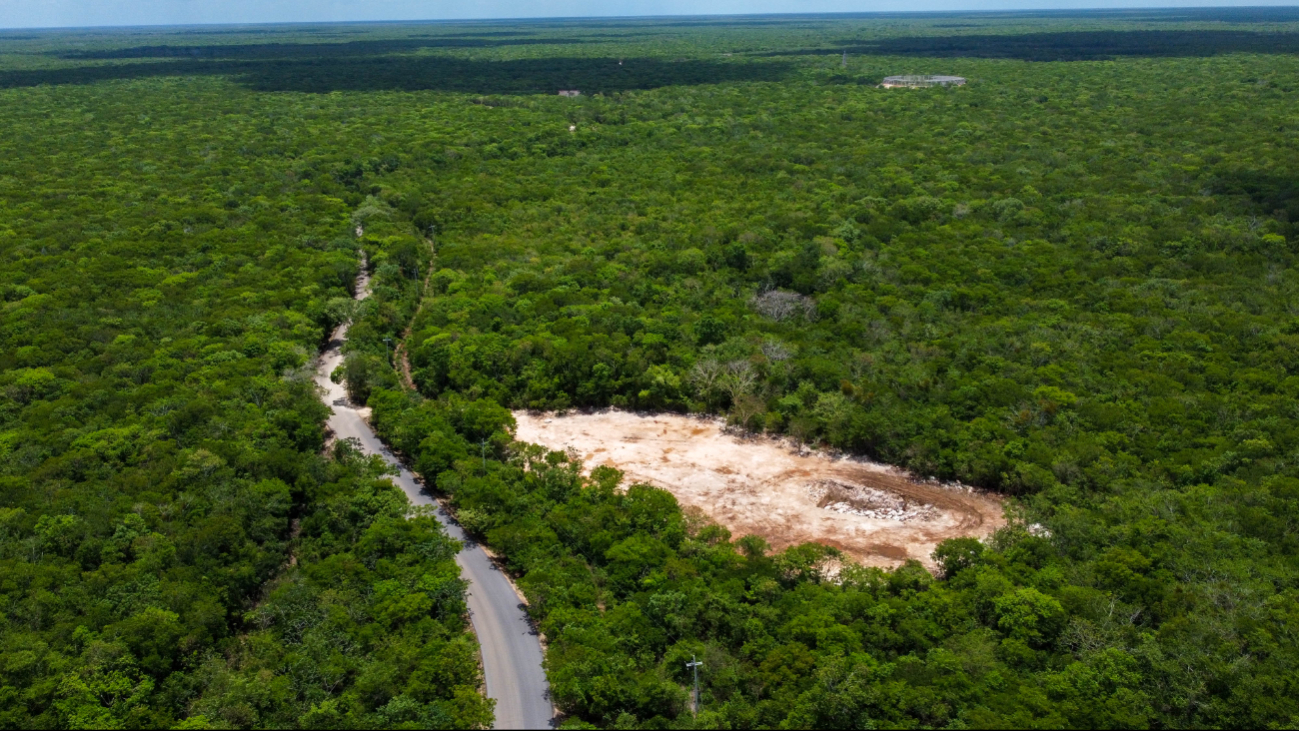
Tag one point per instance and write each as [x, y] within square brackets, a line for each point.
[694, 665]
[484, 451]
[845, 59]
[387, 356]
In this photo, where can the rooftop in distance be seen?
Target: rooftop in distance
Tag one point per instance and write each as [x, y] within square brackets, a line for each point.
[915, 81]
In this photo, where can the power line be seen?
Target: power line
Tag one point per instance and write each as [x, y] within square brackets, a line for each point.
[694, 665]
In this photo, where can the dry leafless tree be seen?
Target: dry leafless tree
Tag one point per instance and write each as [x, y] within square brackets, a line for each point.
[780, 305]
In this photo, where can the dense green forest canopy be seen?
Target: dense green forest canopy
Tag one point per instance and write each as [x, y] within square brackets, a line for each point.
[1072, 281]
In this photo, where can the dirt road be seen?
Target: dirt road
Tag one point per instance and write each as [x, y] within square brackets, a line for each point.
[401, 356]
[511, 649]
[874, 513]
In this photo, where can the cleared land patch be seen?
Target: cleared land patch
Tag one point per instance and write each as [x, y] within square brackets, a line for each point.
[876, 514]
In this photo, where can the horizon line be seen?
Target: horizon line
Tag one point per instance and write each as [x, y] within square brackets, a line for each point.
[574, 18]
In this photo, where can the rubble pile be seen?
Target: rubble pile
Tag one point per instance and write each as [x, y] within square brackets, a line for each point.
[842, 497]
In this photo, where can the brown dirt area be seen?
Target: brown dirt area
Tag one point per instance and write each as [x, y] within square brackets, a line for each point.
[875, 514]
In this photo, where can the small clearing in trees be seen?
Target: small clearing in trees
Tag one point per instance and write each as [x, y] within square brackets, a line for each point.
[875, 514]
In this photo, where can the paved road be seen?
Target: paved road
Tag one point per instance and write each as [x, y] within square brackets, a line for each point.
[511, 649]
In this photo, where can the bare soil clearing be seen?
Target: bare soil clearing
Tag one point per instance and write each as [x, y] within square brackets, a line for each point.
[874, 513]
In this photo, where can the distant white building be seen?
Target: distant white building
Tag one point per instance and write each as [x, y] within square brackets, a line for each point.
[913, 82]
[569, 92]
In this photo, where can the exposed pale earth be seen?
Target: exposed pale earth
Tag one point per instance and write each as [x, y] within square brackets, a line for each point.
[876, 514]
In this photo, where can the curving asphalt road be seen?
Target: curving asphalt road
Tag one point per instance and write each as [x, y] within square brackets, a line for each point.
[511, 649]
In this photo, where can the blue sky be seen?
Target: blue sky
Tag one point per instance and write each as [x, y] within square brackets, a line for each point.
[52, 13]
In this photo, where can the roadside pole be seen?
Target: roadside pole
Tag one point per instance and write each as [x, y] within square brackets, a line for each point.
[694, 665]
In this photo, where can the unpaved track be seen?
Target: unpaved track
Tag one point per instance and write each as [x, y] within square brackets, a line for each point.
[511, 648]
[401, 355]
[766, 487]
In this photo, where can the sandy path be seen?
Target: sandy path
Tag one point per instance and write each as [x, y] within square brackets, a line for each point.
[874, 513]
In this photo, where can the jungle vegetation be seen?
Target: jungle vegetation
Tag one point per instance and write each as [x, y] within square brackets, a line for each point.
[1072, 281]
